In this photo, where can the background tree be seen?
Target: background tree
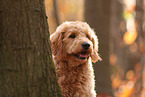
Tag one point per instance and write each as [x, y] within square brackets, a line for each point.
[116, 34]
[56, 12]
[141, 45]
[26, 67]
[98, 15]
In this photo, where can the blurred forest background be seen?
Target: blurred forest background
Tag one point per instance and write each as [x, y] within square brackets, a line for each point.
[120, 28]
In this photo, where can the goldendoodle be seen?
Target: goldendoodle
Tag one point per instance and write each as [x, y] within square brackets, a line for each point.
[74, 48]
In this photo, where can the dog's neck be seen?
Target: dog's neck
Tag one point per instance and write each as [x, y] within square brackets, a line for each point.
[75, 76]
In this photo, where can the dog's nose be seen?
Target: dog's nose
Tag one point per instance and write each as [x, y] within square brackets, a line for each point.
[85, 45]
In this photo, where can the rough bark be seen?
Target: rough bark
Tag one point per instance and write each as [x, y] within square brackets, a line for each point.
[97, 14]
[26, 67]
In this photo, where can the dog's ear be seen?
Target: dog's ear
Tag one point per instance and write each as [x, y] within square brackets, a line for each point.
[95, 56]
[56, 42]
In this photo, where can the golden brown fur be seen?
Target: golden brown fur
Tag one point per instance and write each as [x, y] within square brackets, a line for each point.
[73, 60]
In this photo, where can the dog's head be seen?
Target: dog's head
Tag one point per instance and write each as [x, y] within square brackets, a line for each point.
[75, 40]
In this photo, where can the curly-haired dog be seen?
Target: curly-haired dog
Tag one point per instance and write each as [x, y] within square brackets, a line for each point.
[74, 45]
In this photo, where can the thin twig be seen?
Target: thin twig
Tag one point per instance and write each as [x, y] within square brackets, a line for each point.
[56, 12]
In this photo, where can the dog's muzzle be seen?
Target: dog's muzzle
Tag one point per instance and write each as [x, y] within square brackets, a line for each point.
[85, 53]
[85, 45]
[82, 55]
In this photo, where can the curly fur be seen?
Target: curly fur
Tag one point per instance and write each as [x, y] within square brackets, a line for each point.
[73, 63]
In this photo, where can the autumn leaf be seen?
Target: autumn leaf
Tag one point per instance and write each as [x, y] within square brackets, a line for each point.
[128, 15]
[130, 37]
[128, 89]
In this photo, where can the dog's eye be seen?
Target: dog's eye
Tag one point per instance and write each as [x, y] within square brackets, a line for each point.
[72, 36]
[87, 36]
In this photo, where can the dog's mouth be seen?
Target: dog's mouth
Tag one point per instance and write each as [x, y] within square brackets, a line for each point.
[82, 55]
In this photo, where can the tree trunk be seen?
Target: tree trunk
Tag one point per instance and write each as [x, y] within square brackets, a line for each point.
[141, 44]
[55, 8]
[26, 67]
[98, 14]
